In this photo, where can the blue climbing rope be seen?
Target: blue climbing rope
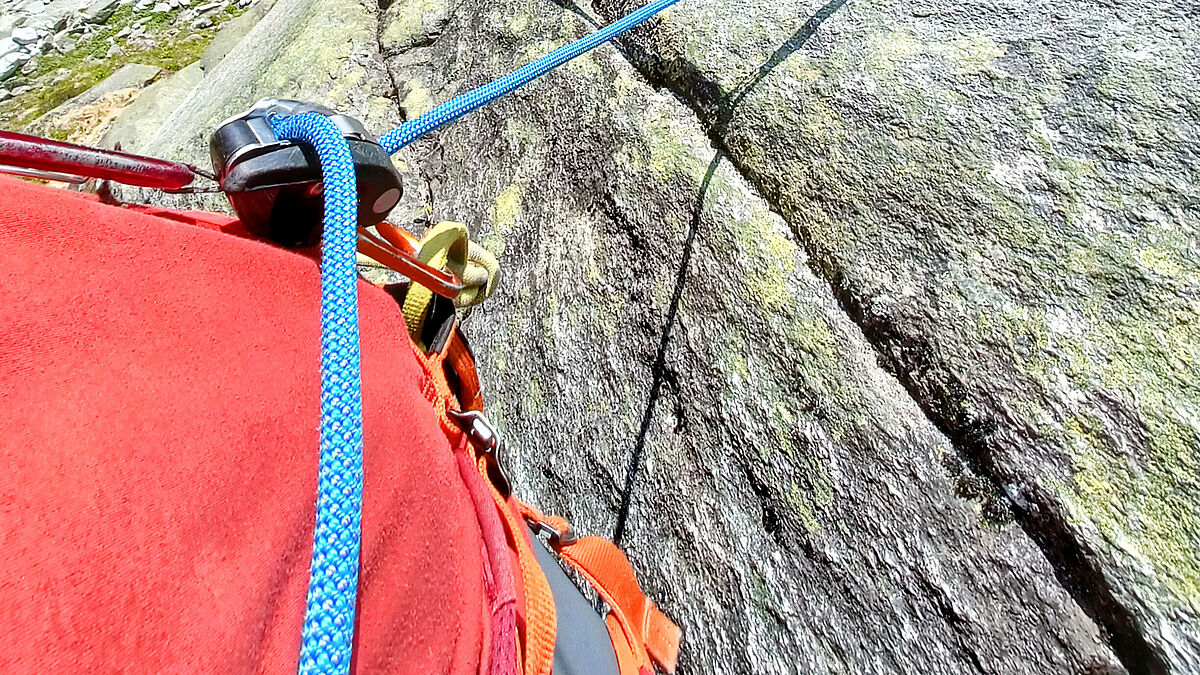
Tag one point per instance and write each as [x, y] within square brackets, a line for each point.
[461, 105]
[328, 634]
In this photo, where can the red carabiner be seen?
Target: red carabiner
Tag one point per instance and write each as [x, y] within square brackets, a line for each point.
[27, 155]
[405, 262]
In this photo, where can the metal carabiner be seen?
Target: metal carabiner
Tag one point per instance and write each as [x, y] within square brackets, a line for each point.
[487, 441]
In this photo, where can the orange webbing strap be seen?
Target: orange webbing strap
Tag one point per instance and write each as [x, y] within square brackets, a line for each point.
[609, 571]
[640, 632]
[459, 357]
[540, 616]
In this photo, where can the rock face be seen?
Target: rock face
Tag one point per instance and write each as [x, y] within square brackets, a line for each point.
[144, 117]
[1004, 197]
[793, 507]
[314, 50]
[87, 117]
[871, 330]
[323, 51]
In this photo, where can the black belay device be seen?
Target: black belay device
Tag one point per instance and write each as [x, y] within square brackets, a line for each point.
[275, 184]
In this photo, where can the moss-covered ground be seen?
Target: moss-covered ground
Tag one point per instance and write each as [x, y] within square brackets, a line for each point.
[165, 42]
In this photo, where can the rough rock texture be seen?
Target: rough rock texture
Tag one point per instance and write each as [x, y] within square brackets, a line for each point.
[315, 50]
[87, 117]
[323, 51]
[1005, 197]
[874, 338]
[233, 32]
[130, 76]
[143, 120]
[144, 117]
[793, 508]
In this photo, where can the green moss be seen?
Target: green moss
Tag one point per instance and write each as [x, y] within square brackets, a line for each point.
[1151, 517]
[88, 62]
[598, 407]
[899, 47]
[803, 67]
[1164, 262]
[521, 132]
[768, 283]
[801, 504]
[519, 24]
[494, 243]
[316, 59]
[772, 256]
[418, 99]
[760, 593]
[1024, 333]
[500, 360]
[507, 207]
[970, 53]
[592, 276]
[809, 490]
[736, 362]
[497, 412]
[608, 314]
[408, 23]
[824, 367]
[623, 86]
[764, 601]
[668, 146]
[820, 122]
[833, 233]
[380, 108]
[535, 398]
[1145, 501]
[628, 158]
[585, 65]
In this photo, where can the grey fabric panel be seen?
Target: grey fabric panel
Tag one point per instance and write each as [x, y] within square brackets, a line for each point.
[581, 643]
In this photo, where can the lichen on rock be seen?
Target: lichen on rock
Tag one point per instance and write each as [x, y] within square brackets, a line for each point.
[1006, 203]
[873, 328]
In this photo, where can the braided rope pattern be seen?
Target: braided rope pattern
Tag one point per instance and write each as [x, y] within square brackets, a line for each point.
[328, 633]
[458, 106]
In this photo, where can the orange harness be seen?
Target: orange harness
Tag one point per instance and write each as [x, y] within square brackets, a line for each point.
[642, 636]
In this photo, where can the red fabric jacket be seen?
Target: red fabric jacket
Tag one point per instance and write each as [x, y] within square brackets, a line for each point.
[159, 394]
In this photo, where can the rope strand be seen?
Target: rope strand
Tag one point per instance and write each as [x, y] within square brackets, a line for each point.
[328, 633]
[458, 106]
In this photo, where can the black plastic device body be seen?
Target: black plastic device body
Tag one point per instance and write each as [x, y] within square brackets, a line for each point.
[275, 184]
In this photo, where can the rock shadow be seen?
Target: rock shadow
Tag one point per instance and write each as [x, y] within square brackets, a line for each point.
[658, 370]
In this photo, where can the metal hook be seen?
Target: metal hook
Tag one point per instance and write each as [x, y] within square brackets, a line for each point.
[376, 248]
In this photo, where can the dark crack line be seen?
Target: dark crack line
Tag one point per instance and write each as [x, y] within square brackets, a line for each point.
[659, 369]
[574, 9]
[381, 7]
[1036, 512]
[1038, 515]
[941, 601]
